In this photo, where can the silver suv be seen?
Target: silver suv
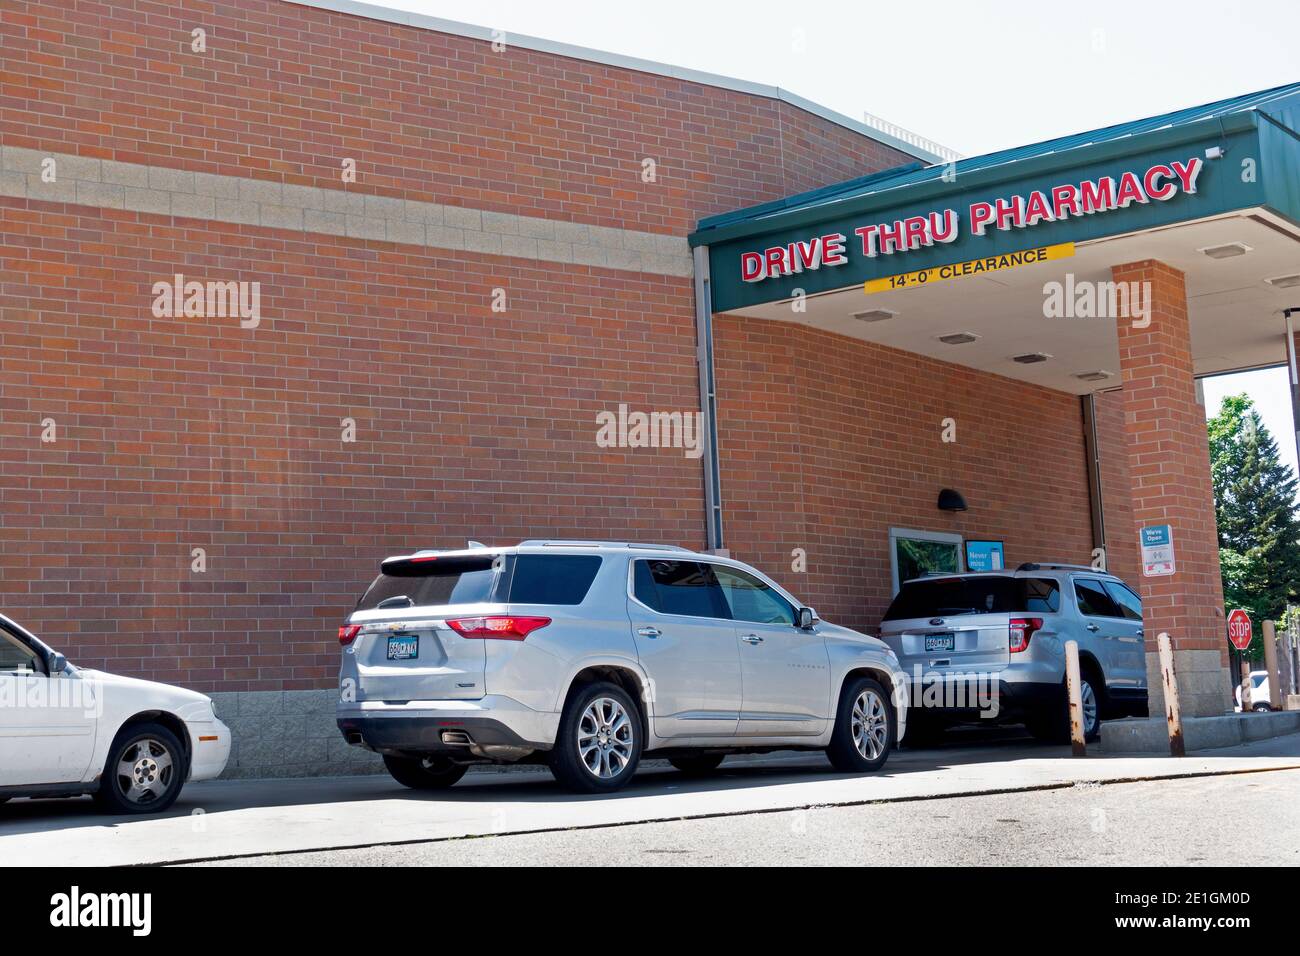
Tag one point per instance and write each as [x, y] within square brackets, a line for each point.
[585, 655]
[960, 635]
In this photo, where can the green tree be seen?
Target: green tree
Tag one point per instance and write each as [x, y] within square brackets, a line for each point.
[1255, 506]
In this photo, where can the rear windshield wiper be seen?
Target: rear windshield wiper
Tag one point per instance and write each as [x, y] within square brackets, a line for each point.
[397, 600]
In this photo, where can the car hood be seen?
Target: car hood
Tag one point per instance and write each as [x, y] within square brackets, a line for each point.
[835, 632]
[148, 692]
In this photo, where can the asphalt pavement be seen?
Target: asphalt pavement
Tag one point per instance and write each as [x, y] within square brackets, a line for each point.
[936, 791]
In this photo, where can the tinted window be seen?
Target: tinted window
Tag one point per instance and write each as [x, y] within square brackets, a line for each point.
[552, 578]
[952, 597]
[434, 581]
[1129, 604]
[1257, 680]
[1093, 599]
[679, 587]
[751, 600]
[16, 657]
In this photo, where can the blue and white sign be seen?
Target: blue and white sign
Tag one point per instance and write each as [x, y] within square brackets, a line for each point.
[1157, 541]
[984, 556]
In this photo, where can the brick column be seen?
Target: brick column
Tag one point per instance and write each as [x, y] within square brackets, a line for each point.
[1169, 466]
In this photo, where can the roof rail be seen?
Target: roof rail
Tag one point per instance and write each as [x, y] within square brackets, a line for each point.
[575, 543]
[1055, 566]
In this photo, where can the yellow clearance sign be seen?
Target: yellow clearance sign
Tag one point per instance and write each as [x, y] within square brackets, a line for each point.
[958, 270]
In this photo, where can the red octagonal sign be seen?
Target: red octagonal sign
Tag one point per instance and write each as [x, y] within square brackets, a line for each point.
[1239, 629]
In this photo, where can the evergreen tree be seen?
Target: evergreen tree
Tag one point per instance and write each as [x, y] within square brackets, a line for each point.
[1255, 506]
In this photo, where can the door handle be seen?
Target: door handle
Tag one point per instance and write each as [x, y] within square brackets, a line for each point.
[1094, 628]
[649, 631]
[751, 639]
[1141, 633]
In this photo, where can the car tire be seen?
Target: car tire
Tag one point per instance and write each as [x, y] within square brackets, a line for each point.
[1261, 708]
[865, 727]
[145, 771]
[1053, 726]
[424, 773]
[598, 745]
[698, 766]
[922, 731]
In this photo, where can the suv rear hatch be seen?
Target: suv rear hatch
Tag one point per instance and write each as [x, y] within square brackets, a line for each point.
[402, 647]
[959, 624]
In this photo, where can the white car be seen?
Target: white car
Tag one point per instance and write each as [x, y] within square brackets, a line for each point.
[1259, 692]
[67, 731]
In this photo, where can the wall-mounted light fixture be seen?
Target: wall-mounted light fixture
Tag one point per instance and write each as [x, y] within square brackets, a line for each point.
[950, 500]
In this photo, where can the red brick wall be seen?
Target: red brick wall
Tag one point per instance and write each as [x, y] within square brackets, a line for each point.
[827, 442]
[182, 434]
[193, 433]
[285, 92]
[1169, 462]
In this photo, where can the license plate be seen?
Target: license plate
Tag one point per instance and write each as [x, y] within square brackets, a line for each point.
[403, 647]
[939, 642]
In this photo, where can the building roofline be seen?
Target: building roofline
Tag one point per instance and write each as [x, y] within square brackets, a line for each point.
[439, 25]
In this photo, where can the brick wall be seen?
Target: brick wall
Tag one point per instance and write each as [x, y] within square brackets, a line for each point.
[285, 92]
[176, 434]
[827, 442]
[1169, 465]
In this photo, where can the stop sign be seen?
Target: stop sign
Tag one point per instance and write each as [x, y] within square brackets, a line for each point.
[1239, 629]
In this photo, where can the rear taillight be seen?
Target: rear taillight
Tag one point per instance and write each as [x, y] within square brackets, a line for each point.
[500, 627]
[1020, 630]
[348, 633]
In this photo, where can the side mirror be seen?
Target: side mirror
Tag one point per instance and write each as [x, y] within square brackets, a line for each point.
[806, 619]
[57, 663]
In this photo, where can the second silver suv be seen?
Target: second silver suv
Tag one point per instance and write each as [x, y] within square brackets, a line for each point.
[1006, 631]
[585, 655]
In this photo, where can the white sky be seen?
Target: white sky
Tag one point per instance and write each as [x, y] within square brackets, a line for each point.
[974, 76]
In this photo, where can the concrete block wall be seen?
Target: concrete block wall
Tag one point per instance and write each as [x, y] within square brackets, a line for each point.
[289, 733]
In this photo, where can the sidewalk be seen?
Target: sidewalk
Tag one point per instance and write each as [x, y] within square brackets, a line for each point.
[223, 819]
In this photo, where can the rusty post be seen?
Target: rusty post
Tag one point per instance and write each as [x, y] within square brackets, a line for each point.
[1078, 743]
[1270, 664]
[1245, 685]
[1173, 716]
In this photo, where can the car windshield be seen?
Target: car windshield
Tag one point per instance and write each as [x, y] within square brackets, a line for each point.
[991, 594]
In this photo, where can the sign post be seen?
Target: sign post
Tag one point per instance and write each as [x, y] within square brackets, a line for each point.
[1239, 633]
[1239, 629]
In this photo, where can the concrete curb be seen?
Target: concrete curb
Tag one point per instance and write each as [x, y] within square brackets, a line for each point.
[1150, 735]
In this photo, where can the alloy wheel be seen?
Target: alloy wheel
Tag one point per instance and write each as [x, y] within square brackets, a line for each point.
[605, 738]
[870, 725]
[1088, 698]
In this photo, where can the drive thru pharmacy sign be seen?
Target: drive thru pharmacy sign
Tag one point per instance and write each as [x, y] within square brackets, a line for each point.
[1158, 183]
[1239, 629]
[1157, 542]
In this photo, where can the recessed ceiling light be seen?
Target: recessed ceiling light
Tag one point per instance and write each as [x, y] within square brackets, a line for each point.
[874, 315]
[1285, 282]
[1226, 251]
[1031, 358]
[1098, 376]
[957, 338]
